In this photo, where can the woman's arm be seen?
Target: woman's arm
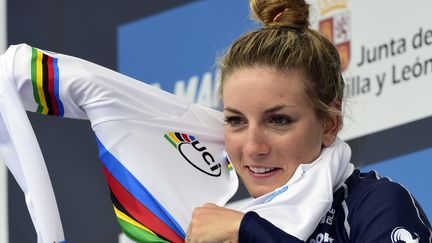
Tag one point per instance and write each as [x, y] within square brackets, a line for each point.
[211, 223]
[254, 229]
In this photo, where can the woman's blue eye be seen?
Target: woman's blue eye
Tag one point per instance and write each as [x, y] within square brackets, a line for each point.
[280, 120]
[233, 120]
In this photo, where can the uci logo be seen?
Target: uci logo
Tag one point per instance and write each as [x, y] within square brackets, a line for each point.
[194, 153]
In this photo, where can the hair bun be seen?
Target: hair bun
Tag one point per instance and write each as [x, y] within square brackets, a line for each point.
[287, 13]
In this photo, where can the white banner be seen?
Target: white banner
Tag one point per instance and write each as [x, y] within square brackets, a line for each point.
[3, 173]
[386, 51]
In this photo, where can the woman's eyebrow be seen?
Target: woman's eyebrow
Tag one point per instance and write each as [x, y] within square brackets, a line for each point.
[269, 110]
[232, 110]
[277, 108]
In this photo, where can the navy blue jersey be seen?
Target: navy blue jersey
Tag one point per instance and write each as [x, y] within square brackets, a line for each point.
[365, 209]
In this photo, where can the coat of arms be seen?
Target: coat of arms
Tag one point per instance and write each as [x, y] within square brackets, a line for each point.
[335, 24]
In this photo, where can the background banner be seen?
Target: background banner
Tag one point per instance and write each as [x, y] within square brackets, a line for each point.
[388, 58]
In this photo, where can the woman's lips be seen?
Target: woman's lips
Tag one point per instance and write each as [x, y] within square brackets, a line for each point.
[262, 172]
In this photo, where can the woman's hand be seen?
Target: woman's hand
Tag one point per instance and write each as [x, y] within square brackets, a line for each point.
[211, 223]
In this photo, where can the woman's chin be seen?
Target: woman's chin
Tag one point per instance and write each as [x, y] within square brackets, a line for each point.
[257, 188]
[258, 191]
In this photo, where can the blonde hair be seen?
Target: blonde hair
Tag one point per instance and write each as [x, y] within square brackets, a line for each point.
[286, 42]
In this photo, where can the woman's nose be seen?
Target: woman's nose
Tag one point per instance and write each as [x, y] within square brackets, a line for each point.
[256, 144]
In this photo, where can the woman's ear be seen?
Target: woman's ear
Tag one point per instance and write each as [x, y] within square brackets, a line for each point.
[331, 126]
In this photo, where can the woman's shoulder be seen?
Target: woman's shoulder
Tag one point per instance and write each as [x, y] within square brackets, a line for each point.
[378, 206]
[369, 184]
[368, 191]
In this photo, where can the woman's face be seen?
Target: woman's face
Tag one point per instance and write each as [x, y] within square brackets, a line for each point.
[270, 128]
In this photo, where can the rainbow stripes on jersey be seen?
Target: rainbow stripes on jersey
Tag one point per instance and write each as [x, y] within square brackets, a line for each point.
[140, 215]
[175, 138]
[45, 81]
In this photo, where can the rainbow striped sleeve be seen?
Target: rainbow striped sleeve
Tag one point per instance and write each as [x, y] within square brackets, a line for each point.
[45, 82]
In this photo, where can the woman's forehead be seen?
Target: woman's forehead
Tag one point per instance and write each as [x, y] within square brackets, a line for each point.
[262, 87]
[259, 80]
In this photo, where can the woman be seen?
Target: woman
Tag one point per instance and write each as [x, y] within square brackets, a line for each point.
[282, 91]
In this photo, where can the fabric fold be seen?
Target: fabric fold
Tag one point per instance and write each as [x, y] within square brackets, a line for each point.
[299, 205]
